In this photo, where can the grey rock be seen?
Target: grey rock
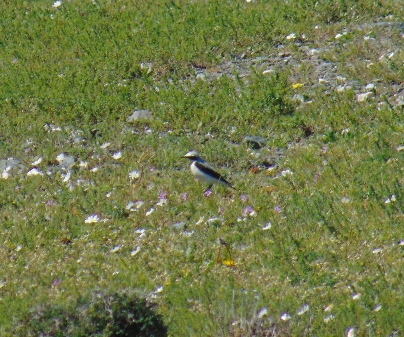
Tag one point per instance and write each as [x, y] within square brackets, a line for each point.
[364, 97]
[299, 98]
[65, 161]
[201, 76]
[11, 163]
[255, 142]
[179, 225]
[139, 114]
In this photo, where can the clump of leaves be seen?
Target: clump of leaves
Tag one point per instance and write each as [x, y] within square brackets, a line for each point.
[101, 314]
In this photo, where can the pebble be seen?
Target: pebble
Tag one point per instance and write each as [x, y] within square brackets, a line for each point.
[179, 225]
[364, 97]
[10, 164]
[255, 142]
[65, 161]
[139, 114]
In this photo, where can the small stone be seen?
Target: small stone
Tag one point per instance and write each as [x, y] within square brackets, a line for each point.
[201, 76]
[10, 163]
[146, 66]
[364, 97]
[342, 88]
[400, 148]
[377, 308]
[255, 142]
[179, 225]
[268, 71]
[34, 172]
[263, 312]
[139, 114]
[65, 161]
[214, 221]
[298, 98]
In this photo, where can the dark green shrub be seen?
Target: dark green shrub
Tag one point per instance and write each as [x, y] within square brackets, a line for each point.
[120, 314]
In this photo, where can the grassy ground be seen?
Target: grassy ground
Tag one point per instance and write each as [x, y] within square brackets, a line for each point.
[314, 229]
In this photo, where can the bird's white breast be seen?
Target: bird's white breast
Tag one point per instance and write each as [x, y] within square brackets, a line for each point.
[201, 176]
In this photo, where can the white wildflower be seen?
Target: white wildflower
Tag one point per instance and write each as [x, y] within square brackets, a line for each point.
[134, 175]
[377, 308]
[105, 145]
[285, 317]
[150, 211]
[267, 226]
[117, 155]
[93, 218]
[286, 173]
[356, 296]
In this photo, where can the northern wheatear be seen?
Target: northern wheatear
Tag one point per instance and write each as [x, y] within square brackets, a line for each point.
[203, 172]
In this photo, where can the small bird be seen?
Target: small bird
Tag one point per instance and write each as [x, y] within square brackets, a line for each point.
[203, 172]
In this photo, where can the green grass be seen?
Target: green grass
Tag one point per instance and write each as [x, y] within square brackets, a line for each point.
[83, 67]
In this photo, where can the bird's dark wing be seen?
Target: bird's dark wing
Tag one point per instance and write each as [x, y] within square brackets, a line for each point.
[212, 173]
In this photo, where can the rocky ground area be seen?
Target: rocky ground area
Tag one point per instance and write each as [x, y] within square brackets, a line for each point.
[318, 64]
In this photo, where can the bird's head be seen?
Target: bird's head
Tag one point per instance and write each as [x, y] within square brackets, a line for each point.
[193, 156]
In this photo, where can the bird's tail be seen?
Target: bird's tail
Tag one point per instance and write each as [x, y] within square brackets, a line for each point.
[225, 182]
